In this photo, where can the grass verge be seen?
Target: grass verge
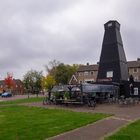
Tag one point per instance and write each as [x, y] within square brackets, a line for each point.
[36, 123]
[130, 132]
[26, 100]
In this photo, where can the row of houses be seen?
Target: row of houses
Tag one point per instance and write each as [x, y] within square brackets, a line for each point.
[85, 73]
[18, 87]
[88, 73]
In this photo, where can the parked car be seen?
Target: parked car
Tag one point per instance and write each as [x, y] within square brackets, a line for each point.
[6, 94]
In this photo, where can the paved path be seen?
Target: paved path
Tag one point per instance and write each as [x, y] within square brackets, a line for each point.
[102, 128]
[92, 132]
[15, 97]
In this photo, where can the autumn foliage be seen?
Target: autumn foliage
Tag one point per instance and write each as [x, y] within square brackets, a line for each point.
[9, 82]
[48, 82]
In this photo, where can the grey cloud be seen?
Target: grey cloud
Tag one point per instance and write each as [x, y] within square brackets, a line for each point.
[34, 32]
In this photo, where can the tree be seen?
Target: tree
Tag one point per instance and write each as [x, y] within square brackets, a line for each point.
[48, 82]
[51, 67]
[32, 80]
[72, 70]
[61, 72]
[9, 82]
[64, 73]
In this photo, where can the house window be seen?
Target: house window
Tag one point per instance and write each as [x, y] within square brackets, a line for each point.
[86, 73]
[80, 73]
[135, 70]
[136, 91]
[91, 72]
[89, 80]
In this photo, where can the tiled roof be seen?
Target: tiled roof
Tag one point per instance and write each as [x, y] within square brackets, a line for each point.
[88, 68]
[133, 64]
[82, 68]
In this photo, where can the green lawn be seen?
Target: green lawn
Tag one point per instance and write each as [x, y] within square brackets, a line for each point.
[130, 132]
[36, 123]
[26, 100]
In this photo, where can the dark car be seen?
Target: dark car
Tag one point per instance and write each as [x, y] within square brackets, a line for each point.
[6, 94]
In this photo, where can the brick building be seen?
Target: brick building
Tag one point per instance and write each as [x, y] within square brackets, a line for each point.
[88, 73]
[18, 87]
[85, 73]
[134, 69]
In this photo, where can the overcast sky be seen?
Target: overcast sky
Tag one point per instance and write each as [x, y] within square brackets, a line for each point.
[34, 32]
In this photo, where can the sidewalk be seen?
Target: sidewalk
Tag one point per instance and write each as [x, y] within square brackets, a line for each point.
[94, 131]
[15, 97]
